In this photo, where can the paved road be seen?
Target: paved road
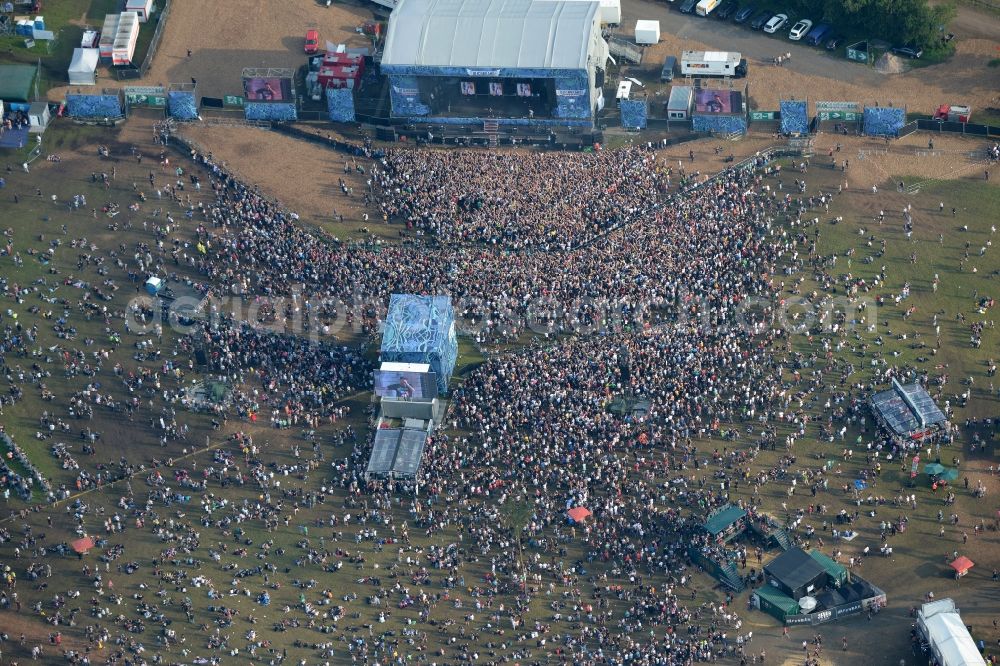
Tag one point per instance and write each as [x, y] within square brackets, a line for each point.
[973, 23]
[761, 48]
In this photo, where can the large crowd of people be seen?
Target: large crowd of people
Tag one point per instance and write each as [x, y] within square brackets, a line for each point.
[544, 200]
[649, 312]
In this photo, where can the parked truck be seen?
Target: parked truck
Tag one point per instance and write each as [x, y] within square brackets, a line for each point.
[954, 113]
[713, 63]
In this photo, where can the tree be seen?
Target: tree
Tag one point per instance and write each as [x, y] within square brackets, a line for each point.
[897, 21]
[515, 514]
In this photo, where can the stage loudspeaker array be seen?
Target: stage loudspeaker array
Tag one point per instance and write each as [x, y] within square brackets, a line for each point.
[599, 77]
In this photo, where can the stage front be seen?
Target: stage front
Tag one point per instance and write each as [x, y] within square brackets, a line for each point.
[510, 97]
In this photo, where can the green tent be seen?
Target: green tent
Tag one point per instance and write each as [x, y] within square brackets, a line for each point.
[836, 572]
[720, 521]
[776, 603]
[16, 82]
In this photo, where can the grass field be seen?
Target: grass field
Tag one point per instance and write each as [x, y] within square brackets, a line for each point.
[67, 19]
[36, 221]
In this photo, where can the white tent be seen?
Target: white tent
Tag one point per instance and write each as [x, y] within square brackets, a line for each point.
[83, 68]
[942, 626]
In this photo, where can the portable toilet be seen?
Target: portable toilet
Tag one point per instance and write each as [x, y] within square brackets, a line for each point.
[39, 23]
[154, 285]
[38, 117]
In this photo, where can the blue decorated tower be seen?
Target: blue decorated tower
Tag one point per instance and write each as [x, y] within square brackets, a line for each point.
[421, 329]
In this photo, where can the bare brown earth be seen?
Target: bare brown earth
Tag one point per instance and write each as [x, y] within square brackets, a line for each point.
[965, 77]
[305, 176]
[228, 35]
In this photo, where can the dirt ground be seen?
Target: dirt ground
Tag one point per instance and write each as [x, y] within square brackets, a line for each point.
[871, 161]
[966, 77]
[305, 176]
[248, 33]
[301, 175]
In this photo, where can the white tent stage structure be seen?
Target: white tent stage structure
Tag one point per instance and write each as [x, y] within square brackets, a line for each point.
[83, 68]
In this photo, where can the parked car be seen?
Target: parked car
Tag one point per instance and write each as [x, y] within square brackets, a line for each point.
[312, 41]
[775, 23]
[758, 21]
[744, 13]
[669, 67]
[800, 29]
[688, 6]
[910, 51]
[725, 10]
[816, 35]
[834, 43]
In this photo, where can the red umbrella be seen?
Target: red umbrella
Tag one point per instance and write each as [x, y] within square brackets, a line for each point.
[83, 545]
[578, 514]
[962, 564]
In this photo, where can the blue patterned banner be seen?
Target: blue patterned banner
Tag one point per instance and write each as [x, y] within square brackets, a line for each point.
[794, 116]
[570, 105]
[273, 111]
[882, 121]
[634, 113]
[719, 124]
[404, 93]
[519, 122]
[340, 104]
[94, 106]
[421, 329]
[181, 104]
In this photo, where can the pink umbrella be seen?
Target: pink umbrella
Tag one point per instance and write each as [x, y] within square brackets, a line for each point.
[82, 545]
[578, 514]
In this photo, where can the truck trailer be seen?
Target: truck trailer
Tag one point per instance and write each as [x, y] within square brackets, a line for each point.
[954, 113]
[713, 63]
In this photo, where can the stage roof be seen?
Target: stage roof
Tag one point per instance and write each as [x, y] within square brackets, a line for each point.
[794, 568]
[718, 522]
[907, 408]
[490, 33]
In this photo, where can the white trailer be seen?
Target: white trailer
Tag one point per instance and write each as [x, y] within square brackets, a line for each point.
[611, 12]
[706, 7]
[713, 63]
[647, 32]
